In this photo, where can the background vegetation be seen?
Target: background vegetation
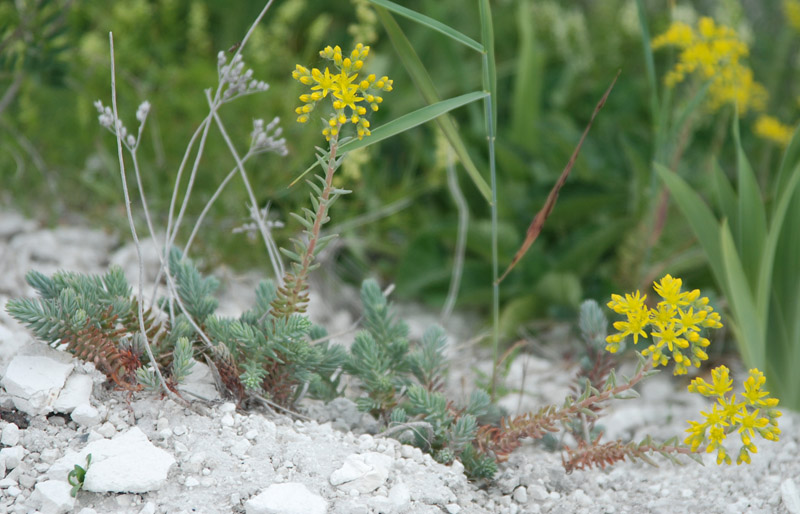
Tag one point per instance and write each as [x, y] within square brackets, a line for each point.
[611, 230]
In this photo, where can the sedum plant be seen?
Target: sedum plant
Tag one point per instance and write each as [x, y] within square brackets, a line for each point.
[273, 353]
[403, 386]
[92, 317]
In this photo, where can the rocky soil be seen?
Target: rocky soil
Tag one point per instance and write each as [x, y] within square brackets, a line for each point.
[151, 455]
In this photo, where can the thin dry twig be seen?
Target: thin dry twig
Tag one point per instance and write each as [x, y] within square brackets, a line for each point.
[538, 221]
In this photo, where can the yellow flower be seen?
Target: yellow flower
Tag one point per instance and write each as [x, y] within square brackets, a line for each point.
[714, 53]
[728, 415]
[721, 383]
[669, 289]
[348, 92]
[771, 129]
[676, 324]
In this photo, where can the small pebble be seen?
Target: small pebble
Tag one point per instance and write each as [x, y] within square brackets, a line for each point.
[27, 481]
[107, 430]
[10, 435]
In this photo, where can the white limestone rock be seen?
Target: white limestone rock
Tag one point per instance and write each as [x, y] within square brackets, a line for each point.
[85, 415]
[790, 496]
[126, 463]
[76, 391]
[12, 456]
[13, 223]
[10, 435]
[10, 341]
[52, 497]
[364, 473]
[107, 430]
[400, 496]
[286, 498]
[34, 382]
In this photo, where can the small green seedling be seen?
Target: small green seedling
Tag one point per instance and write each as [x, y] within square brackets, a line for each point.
[77, 476]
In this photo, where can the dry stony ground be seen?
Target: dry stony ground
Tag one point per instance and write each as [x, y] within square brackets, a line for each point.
[152, 455]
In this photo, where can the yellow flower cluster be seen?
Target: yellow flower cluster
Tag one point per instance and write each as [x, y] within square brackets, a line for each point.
[715, 53]
[755, 412]
[770, 128]
[675, 324]
[792, 10]
[347, 91]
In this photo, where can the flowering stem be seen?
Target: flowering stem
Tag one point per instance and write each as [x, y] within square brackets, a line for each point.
[505, 439]
[308, 258]
[292, 296]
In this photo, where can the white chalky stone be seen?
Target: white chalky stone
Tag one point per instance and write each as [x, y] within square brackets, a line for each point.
[365, 472]
[288, 498]
[77, 391]
[400, 495]
[53, 497]
[34, 382]
[127, 463]
[107, 430]
[12, 456]
[790, 496]
[10, 436]
[85, 415]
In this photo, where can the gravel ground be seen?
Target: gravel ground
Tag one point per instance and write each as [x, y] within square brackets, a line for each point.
[224, 460]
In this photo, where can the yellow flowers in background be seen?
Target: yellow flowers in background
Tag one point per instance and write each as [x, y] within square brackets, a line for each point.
[676, 324]
[715, 53]
[792, 10]
[753, 413]
[349, 93]
[770, 128]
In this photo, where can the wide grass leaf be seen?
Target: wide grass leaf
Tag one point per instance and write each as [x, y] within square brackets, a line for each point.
[429, 22]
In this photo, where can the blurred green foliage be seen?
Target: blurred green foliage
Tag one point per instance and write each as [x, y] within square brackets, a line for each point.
[555, 59]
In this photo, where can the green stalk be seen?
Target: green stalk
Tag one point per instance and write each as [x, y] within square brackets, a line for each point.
[649, 62]
[490, 103]
[292, 297]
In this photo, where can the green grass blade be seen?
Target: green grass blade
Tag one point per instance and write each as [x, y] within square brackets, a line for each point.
[691, 108]
[490, 108]
[768, 257]
[424, 84]
[752, 333]
[490, 65]
[412, 119]
[528, 83]
[752, 214]
[700, 218]
[727, 199]
[649, 62]
[429, 22]
[788, 163]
